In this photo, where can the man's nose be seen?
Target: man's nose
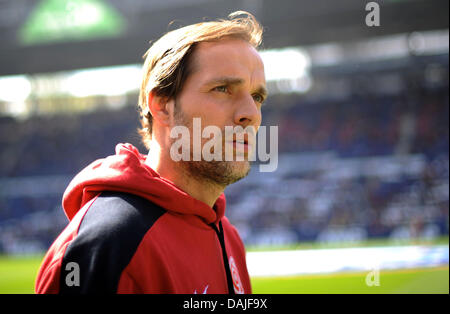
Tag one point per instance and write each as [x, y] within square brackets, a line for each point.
[247, 112]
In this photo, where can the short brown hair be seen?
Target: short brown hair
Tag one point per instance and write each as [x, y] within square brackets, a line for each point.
[167, 65]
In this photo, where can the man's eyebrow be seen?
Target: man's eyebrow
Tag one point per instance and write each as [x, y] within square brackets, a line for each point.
[263, 91]
[225, 80]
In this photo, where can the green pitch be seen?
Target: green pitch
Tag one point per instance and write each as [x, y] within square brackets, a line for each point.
[426, 280]
[17, 275]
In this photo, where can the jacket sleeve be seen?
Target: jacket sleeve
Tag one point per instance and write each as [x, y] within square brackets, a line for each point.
[107, 238]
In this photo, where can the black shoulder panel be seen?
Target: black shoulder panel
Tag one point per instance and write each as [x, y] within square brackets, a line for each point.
[106, 241]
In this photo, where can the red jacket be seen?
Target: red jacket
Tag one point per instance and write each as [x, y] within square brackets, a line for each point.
[132, 231]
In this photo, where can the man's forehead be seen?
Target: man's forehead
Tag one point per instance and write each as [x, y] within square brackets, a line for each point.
[229, 50]
[230, 57]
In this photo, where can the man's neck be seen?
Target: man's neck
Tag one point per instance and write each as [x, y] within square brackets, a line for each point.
[201, 190]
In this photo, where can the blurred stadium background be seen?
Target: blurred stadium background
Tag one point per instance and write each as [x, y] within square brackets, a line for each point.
[362, 182]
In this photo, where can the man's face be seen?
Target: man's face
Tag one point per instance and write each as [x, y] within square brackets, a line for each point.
[225, 88]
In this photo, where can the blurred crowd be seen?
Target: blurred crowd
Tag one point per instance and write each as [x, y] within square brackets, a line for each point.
[367, 168]
[349, 170]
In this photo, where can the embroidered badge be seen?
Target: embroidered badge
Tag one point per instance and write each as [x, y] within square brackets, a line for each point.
[238, 288]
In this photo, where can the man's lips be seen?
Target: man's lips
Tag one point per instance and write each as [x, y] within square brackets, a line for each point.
[240, 147]
[241, 139]
[241, 144]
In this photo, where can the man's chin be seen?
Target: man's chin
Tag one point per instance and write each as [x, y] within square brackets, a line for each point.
[240, 169]
[221, 173]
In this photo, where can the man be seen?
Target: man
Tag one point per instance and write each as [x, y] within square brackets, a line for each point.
[150, 224]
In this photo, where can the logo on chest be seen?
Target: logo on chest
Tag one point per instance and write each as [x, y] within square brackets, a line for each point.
[237, 284]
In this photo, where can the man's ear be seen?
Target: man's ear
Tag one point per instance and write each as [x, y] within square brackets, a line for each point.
[160, 108]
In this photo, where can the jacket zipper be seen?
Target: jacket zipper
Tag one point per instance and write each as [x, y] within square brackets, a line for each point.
[225, 256]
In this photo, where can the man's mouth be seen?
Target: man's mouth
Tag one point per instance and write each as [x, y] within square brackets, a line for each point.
[241, 140]
[241, 144]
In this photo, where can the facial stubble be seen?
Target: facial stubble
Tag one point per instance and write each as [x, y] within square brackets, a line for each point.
[221, 173]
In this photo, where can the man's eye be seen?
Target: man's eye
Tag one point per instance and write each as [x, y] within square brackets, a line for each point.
[258, 98]
[222, 89]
